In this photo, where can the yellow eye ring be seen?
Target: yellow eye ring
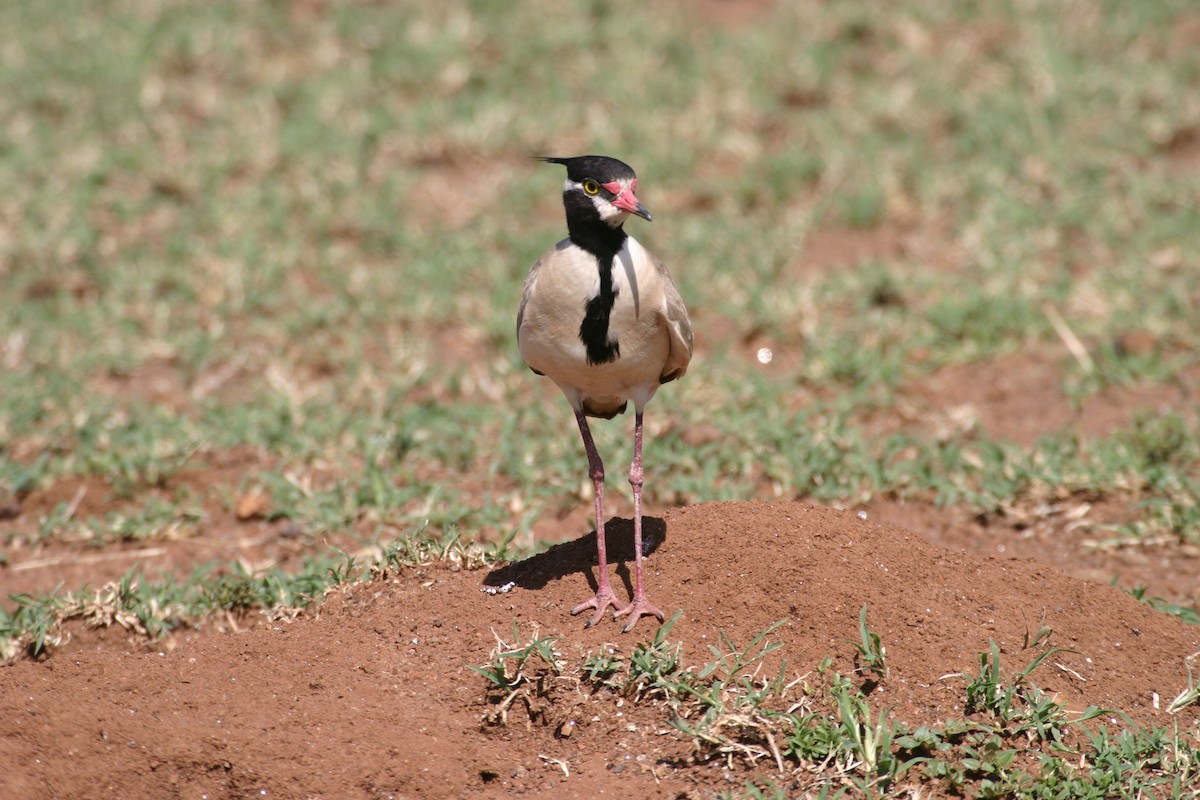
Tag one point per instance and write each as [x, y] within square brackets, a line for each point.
[591, 187]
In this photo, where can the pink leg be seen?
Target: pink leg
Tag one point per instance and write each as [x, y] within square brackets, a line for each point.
[604, 593]
[640, 606]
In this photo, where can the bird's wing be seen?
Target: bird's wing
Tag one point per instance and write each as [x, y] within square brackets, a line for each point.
[530, 287]
[526, 294]
[679, 327]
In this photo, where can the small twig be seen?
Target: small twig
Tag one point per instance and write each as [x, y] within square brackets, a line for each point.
[557, 762]
[502, 709]
[74, 505]
[211, 381]
[1069, 339]
[1071, 672]
[775, 750]
[54, 561]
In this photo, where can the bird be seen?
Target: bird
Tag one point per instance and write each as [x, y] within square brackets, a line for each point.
[602, 318]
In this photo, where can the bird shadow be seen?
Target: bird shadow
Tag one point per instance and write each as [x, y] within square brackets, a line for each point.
[579, 555]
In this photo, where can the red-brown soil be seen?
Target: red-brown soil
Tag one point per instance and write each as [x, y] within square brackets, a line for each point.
[370, 695]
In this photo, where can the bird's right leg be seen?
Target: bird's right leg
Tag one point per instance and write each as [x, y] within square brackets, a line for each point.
[640, 606]
[604, 593]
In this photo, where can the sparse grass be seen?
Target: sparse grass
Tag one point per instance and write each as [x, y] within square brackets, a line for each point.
[1190, 694]
[870, 654]
[1185, 613]
[524, 672]
[150, 608]
[823, 737]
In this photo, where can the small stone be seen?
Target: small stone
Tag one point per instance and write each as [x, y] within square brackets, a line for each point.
[254, 503]
[1132, 344]
[10, 509]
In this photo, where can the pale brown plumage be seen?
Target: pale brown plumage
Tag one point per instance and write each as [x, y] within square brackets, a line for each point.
[602, 318]
[648, 318]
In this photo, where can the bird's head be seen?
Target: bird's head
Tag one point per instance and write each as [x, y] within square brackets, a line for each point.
[599, 187]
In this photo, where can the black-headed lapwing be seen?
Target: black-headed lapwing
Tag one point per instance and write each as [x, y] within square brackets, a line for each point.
[601, 317]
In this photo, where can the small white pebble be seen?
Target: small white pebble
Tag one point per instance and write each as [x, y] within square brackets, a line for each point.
[764, 355]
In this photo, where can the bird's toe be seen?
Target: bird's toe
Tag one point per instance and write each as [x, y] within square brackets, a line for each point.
[636, 610]
[600, 603]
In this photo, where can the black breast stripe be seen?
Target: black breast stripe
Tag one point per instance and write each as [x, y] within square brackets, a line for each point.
[593, 331]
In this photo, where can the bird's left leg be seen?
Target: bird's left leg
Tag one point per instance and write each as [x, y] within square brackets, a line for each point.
[604, 593]
[640, 606]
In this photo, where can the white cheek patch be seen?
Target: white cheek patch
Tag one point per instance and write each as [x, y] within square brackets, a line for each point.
[608, 212]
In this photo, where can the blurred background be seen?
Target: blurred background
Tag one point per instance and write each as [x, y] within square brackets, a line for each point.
[260, 262]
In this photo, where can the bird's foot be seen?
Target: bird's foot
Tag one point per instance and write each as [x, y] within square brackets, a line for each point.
[603, 599]
[640, 607]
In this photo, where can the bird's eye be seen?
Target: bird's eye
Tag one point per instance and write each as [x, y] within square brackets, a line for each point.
[590, 186]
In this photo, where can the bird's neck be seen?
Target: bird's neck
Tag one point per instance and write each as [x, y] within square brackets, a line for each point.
[598, 239]
[593, 234]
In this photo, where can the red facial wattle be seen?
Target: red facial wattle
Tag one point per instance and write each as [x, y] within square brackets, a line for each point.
[626, 200]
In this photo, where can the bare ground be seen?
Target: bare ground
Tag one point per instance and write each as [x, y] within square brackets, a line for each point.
[371, 696]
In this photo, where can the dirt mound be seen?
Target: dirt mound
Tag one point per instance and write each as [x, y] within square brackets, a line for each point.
[371, 696]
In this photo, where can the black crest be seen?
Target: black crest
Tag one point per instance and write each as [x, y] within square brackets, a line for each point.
[600, 168]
